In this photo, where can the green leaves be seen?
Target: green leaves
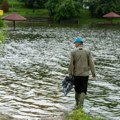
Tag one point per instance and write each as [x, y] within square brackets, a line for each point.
[34, 3]
[51, 5]
[63, 9]
[100, 7]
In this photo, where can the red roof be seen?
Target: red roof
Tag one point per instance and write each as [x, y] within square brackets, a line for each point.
[14, 17]
[111, 15]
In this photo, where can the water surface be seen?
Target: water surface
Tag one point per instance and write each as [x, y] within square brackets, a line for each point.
[34, 61]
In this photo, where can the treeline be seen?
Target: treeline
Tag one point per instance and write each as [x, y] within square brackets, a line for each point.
[34, 3]
[65, 9]
[60, 9]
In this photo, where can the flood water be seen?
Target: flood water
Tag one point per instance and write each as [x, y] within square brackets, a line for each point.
[34, 61]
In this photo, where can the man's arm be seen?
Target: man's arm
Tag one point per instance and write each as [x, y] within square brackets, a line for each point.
[92, 65]
[71, 65]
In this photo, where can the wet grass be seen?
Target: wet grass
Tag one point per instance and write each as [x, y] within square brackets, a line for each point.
[81, 115]
[5, 117]
[2, 33]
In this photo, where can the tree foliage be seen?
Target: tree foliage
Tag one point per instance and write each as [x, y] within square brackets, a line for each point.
[51, 5]
[100, 7]
[1, 1]
[34, 3]
[63, 9]
[4, 5]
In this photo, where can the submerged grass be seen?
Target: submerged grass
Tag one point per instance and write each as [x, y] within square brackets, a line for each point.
[2, 33]
[81, 115]
[5, 117]
[2, 37]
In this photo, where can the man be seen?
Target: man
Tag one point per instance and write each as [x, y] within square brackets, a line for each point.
[80, 63]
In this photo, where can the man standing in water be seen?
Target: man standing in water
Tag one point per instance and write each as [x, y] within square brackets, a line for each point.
[80, 63]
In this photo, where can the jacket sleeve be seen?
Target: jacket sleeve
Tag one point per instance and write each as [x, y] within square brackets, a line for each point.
[71, 65]
[91, 64]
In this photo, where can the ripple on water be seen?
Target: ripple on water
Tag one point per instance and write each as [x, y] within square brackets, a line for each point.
[34, 61]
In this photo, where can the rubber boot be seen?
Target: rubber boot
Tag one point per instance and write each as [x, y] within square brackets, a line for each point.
[81, 100]
[77, 98]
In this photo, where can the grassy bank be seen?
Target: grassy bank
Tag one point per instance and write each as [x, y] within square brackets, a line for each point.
[81, 115]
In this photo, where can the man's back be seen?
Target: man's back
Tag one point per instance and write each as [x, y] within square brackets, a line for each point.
[81, 62]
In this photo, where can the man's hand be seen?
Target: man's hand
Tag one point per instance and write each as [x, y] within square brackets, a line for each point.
[70, 76]
[94, 78]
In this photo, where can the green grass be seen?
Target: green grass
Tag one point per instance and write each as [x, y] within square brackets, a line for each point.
[86, 18]
[81, 115]
[19, 7]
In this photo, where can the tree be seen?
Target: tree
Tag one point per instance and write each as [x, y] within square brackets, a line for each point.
[41, 3]
[63, 9]
[100, 7]
[34, 3]
[51, 5]
[4, 5]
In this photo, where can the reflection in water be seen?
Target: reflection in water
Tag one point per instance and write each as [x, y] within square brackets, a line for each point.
[34, 61]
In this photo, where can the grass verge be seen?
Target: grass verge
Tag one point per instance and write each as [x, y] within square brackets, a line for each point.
[81, 115]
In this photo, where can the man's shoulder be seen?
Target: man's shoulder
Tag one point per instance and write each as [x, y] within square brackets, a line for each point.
[87, 49]
[80, 48]
[74, 50]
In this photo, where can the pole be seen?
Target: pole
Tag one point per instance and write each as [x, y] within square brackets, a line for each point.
[14, 25]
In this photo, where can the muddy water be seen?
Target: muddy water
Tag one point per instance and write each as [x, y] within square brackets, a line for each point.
[34, 61]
